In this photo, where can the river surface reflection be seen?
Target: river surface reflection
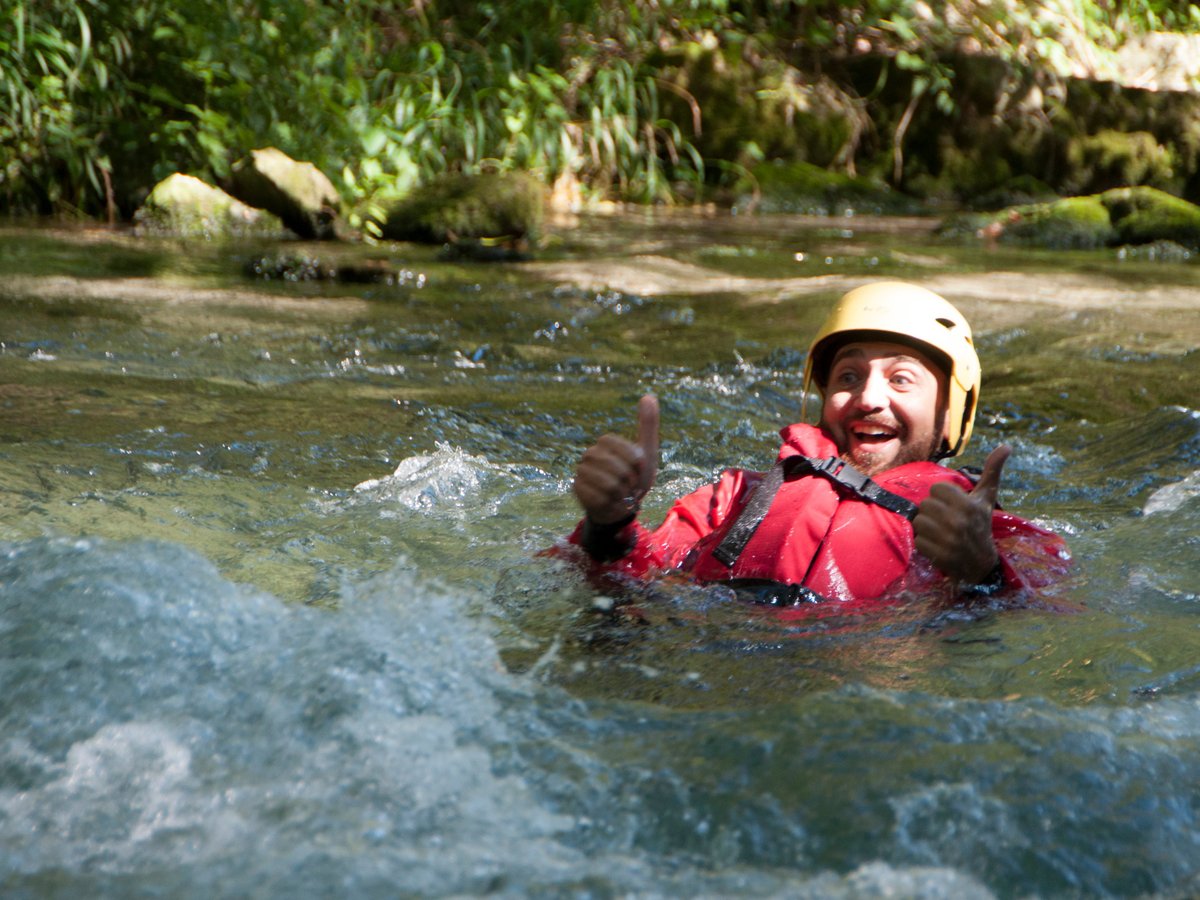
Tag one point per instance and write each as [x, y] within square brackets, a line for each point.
[274, 621]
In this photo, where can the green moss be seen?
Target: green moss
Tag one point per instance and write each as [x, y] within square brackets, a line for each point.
[299, 193]
[1072, 223]
[967, 170]
[456, 208]
[1110, 159]
[1138, 215]
[800, 187]
[1144, 215]
[741, 108]
[186, 206]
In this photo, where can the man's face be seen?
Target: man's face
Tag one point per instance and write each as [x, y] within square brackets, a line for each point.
[884, 405]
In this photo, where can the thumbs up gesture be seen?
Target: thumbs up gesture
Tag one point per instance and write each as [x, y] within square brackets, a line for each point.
[614, 473]
[954, 527]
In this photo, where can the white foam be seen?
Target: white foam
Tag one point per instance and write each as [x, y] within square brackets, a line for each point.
[423, 482]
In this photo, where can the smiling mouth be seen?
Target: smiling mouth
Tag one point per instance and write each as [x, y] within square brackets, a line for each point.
[868, 433]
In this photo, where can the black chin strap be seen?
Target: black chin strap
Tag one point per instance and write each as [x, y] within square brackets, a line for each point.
[836, 469]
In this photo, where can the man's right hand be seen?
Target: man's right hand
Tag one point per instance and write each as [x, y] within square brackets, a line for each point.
[954, 527]
[614, 473]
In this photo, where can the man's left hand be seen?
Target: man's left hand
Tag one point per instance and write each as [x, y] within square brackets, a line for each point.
[954, 527]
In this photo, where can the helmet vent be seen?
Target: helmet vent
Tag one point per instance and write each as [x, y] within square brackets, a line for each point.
[947, 323]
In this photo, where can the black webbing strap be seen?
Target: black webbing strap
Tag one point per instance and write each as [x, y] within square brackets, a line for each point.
[856, 482]
[751, 516]
[834, 468]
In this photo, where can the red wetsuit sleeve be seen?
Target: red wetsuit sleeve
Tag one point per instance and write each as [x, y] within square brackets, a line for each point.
[689, 519]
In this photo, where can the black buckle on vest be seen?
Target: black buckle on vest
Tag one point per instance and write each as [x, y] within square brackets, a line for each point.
[841, 471]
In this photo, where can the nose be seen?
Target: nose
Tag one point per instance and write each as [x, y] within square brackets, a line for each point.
[872, 394]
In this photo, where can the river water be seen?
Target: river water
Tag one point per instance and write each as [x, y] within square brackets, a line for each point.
[273, 619]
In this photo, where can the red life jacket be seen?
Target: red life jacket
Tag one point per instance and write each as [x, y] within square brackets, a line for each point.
[815, 533]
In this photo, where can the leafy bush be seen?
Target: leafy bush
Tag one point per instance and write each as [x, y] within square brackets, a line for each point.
[109, 96]
[100, 99]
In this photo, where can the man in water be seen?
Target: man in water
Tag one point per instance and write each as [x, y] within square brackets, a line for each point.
[856, 508]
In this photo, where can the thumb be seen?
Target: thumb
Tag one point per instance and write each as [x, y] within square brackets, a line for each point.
[988, 486]
[647, 439]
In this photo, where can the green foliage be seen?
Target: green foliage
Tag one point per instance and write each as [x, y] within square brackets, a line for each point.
[109, 96]
[1144, 15]
[50, 66]
[101, 99]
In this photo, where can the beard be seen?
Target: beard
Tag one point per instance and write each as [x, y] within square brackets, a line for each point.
[904, 449]
[871, 463]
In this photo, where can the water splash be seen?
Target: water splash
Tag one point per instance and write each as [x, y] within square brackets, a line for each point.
[156, 713]
[427, 481]
[168, 732]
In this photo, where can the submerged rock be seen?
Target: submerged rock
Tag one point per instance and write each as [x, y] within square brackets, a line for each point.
[299, 193]
[1158, 251]
[304, 267]
[488, 211]
[186, 206]
[289, 267]
[487, 250]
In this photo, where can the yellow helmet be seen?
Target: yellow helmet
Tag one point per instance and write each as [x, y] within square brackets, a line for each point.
[907, 314]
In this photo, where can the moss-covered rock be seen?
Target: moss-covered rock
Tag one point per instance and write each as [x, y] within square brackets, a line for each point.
[463, 209]
[1077, 136]
[801, 187]
[1071, 223]
[184, 206]
[299, 193]
[1129, 216]
[1144, 215]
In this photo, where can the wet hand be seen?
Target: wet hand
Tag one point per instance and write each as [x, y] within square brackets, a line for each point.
[614, 473]
[954, 527]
